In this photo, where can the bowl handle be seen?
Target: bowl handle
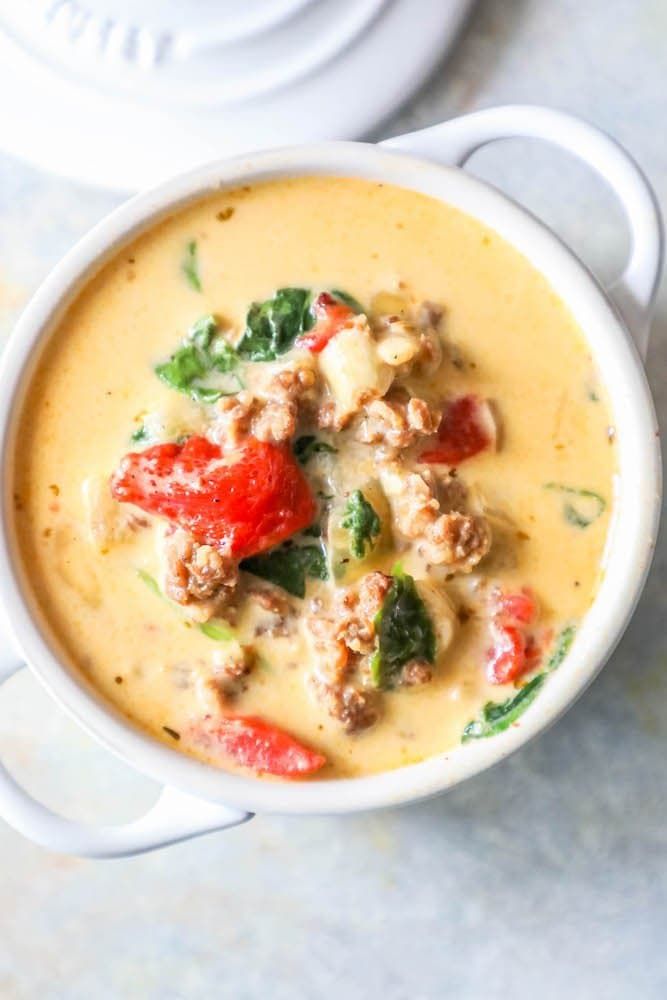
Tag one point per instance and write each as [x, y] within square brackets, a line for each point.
[175, 816]
[453, 142]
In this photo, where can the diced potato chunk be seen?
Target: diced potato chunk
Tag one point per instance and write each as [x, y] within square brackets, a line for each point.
[397, 349]
[176, 416]
[389, 304]
[442, 614]
[108, 521]
[353, 370]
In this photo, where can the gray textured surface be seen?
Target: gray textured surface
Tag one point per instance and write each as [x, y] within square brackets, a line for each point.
[546, 877]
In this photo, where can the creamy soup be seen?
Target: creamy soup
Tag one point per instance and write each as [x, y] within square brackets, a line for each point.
[314, 477]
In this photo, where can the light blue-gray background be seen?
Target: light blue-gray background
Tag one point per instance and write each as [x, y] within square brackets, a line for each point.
[546, 877]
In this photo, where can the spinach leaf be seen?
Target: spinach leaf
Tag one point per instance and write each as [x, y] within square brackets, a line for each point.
[498, 716]
[288, 566]
[150, 582]
[590, 507]
[347, 300]
[308, 445]
[217, 630]
[273, 326]
[192, 368]
[314, 531]
[139, 434]
[223, 356]
[561, 648]
[362, 522]
[190, 266]
[202, 332]
[404, 630]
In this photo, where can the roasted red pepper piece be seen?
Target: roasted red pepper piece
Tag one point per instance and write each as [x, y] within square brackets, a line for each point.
[467, 427]
[330, 318]
[515, 651]
[519, 607]
[507, 657]
[256, 744]
[243, 502]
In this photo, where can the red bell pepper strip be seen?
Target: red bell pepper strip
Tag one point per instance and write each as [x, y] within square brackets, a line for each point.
[258, 745]
[330, 318]
[507, 657]
[519, 607]
[242, 502]
[515, 651]
[467, 427]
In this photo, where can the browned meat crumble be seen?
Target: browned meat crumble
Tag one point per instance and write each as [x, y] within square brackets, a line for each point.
[425, 509]
[196, 572]
[430, 509]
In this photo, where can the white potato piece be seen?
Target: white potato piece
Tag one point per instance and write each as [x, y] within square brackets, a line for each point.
[353, 370]
[178, 416]
[397, 349]
[442, 614]
[389, 304]
[107, 520]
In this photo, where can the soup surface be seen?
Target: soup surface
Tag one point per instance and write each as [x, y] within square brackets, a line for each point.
[315, 477]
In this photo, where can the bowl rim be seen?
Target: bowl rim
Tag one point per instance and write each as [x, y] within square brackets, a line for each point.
[632, 531]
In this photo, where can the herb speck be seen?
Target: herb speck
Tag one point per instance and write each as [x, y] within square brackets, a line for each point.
[190, 266]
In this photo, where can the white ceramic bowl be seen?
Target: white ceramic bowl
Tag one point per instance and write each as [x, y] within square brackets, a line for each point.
[198, 798]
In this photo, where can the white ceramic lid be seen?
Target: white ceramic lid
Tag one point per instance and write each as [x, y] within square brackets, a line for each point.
[330, 69]
[191, 55]
[154, 29]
